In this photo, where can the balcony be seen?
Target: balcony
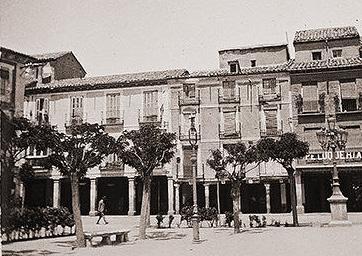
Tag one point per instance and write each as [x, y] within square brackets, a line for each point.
[271, 133]
[184, 100]
[269, 97]
[311, 117]
[229, 99]
[152, 119]
[346, 116]
[229, 134]
[113, 124]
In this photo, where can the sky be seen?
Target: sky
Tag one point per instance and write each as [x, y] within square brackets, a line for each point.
[125, 36]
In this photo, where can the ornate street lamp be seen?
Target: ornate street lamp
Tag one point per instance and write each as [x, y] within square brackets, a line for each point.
[195, 216]
[333, 138]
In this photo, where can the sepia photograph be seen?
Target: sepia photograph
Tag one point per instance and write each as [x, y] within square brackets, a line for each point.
[184, 127]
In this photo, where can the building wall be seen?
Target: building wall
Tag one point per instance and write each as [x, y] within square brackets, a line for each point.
[303, 51]
[307, 124]
[67, 66]
[263, 56]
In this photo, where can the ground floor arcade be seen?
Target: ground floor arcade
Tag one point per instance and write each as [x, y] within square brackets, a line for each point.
[168, 196]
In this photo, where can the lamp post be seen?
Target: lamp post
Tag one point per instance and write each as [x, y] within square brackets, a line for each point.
[335, 138]
[195, 216]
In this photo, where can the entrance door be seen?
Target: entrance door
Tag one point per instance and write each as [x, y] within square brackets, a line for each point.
[317, 187]
[84, 194]
[116, 191]
[39, 193]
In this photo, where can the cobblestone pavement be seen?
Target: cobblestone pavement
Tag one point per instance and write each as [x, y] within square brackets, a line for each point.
[311, 240]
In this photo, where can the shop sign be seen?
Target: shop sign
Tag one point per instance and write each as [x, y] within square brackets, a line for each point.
[350, 156]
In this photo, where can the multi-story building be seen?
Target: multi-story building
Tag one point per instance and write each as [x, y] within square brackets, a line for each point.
[326, 79]
[258, 91]
[16, 71]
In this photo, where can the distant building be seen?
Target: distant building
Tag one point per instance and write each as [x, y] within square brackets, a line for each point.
[17, 70]
[258, 91]
[326, 79]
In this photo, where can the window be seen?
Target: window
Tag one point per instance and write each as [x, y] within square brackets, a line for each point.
[310, 97]
[271, 121]
[77, 110]
[189, 90]
[316, 55]
[187, 165]
[349, 94]
[233, 68]
[5, 80]
[150, 105]
[269, 86]
[42, 108]
[113, 108]
[253, 63]
[337, 53]
[230, 122]
[228, 89]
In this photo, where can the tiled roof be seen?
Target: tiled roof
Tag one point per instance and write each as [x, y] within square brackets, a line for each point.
[50, 56]
[111, 80]
[257, 46]
[322, 34]
[326, 64]
[29, 57]
[283, 67]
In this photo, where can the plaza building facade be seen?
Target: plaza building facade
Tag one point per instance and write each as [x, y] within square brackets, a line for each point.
[258, 91]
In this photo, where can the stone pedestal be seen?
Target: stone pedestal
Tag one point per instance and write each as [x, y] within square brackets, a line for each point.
[299, 192]
[170, 196]
[339, 217]
[93, 197]
[131, 196]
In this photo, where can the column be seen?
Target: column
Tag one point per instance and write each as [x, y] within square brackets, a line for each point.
[93, 196]
[170, 195]
[177, 198]
[131, 196]
[56, 193]
[207, 195]
[283, 195]
[267, 197]
[299, 191]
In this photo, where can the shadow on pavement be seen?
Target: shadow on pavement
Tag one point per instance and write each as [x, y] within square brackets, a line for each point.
[26, 252]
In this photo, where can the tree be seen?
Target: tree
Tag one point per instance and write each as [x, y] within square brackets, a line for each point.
[232, 166]
[284, 151]
[73, 154]
[17, 136]
[144, 150]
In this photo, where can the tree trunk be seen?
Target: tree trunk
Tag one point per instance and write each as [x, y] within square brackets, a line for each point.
[7, 171]
[235, 193]
[76, 210]
[145, 207]
[293, 197]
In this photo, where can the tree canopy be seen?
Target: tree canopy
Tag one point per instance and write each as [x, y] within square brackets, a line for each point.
[283, 150]
[146, 148]
[233, 164]
[84, 147]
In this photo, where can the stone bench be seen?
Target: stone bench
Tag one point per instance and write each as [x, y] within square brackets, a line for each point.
[121, 236]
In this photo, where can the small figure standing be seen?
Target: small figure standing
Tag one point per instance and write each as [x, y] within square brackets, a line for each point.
[101, 210]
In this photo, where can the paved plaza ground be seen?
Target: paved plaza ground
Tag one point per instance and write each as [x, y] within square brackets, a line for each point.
[314, 239]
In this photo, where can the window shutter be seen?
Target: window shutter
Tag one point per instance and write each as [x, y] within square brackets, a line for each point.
[229, 122]
[348, 89]
[271, 121]
[310, 98]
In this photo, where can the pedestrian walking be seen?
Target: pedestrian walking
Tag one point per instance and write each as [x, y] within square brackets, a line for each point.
[102, 210]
